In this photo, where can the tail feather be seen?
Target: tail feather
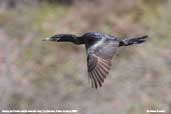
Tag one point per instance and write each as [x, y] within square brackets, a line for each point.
[137, 40]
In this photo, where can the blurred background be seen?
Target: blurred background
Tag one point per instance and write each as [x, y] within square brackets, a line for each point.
[48, 75]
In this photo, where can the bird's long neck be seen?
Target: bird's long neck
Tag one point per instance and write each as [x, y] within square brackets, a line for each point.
[68, 38]
[72, 38]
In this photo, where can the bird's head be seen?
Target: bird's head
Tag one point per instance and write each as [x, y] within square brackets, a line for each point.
[58, 37]
[61, 38]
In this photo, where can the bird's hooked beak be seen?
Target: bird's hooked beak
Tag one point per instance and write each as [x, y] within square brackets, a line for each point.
[51, 39]
[46, 39]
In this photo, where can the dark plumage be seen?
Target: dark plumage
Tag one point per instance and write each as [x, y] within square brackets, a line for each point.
[100, 49]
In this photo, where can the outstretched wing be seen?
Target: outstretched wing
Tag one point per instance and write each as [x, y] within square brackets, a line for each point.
[99, 61]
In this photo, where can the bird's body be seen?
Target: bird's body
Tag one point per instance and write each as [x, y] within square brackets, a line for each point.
[100, 49]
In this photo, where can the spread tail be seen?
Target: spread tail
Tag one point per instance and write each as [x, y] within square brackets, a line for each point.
[131, 41]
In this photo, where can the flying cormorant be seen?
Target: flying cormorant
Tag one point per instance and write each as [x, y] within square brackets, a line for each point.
[100, 49]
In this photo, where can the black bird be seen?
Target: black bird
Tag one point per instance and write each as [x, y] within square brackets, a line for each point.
[100, 49]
